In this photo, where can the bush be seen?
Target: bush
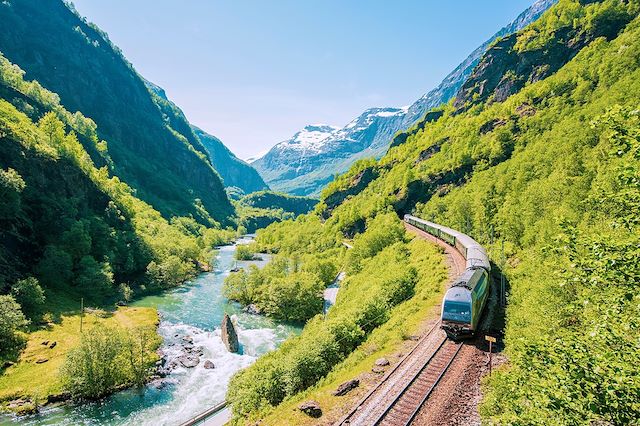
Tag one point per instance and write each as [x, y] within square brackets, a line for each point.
[244, 252]
[106, 359]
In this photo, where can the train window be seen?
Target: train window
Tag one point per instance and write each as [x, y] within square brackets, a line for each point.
[457, 311]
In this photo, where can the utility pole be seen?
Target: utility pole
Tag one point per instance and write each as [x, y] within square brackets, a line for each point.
[81, 312]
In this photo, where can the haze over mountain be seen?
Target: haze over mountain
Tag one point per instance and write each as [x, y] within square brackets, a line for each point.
[303, 167]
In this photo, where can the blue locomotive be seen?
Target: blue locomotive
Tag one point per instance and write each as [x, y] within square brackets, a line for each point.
[465, 300]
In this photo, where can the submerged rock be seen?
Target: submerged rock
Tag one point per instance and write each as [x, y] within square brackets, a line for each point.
[229, 335]
[346, 387]
[311, 409]
[252, 309]
[189, 361]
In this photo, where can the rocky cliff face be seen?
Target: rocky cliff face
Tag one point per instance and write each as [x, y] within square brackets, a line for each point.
[152, 146]
[510, 63]
[298, 172]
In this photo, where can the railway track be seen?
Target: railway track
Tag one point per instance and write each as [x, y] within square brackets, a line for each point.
[407, 404]
[397, 399]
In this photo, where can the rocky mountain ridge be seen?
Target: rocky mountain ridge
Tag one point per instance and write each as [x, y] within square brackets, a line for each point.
[288, 169]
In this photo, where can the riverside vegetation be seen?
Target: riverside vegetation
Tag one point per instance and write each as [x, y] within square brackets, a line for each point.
[544, 159]
[72, 229]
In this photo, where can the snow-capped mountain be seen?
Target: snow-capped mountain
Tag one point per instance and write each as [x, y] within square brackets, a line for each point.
[309, 140]
[305, 163]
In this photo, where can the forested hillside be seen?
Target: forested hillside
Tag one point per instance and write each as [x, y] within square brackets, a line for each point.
[69, 228]
[260, 209]
[234, 172]
[541, 152]
[151, 144]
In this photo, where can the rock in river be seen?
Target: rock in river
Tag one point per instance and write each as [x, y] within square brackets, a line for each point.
[209, 365]
[188, 361]
[229, 335]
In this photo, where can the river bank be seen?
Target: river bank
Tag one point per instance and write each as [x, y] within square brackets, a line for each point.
[190, 317]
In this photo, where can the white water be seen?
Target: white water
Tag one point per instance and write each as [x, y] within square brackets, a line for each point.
[194, 310]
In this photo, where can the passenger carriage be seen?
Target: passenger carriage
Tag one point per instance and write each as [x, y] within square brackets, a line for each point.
[464, 301]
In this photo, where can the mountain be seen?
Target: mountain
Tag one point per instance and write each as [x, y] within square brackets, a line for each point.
[65, 219]
[303, 172]
[234, 172]
[150, 142]
[538, 159]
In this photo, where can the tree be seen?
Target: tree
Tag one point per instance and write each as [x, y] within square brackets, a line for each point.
[29, 295]
[11, 185]
[12, 320]
[94, 367]
[55, 269]
[126, 293]
[94, 277]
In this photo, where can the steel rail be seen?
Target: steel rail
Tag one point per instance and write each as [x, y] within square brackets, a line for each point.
[364, 399]
[393, 403]
[428, 394]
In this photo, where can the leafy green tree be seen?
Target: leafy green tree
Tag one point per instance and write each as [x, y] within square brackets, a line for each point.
[95, 367]
[93, 277]
[29, 295]
[12, 321]
[11, 185]
[244, 252]
[126, 293]
[55, 269]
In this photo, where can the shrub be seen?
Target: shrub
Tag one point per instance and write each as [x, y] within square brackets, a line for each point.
[107, 358]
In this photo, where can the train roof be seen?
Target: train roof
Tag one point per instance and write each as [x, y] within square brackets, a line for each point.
[469, 278]
[475, 255]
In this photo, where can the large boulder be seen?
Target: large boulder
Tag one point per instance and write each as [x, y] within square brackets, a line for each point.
[188, 361]
[229, 335]
[346, 387]
[311, 409]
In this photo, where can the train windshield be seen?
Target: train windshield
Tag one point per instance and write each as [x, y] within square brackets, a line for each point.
[457, 311]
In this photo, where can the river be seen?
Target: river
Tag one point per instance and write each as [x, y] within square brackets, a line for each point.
[195, 309]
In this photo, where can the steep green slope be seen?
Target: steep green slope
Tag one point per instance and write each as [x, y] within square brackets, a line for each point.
[234, 171]
[262, 208]
[77, 228]
[152, 146]
[551, 169]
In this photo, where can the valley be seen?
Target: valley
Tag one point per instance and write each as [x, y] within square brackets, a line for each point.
[351, 275]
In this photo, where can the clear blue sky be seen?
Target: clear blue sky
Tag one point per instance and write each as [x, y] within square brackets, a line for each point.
[254, 72]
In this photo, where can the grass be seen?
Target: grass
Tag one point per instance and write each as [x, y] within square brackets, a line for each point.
[389, 340]
[29, 380]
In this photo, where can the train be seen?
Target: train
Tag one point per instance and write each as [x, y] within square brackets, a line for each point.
[465, 300]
